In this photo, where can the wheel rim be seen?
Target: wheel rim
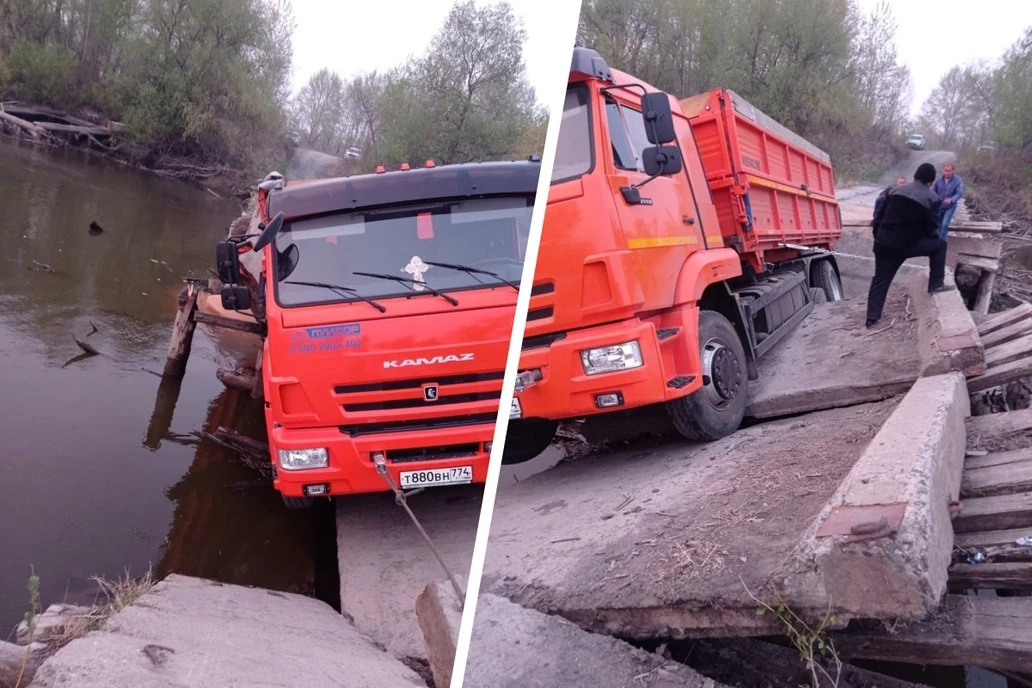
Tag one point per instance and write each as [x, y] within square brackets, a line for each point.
[722, 373]
[833, 283]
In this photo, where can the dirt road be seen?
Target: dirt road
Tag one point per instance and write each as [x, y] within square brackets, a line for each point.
[311, 164]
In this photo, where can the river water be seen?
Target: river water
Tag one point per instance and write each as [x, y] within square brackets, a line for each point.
[101, 473]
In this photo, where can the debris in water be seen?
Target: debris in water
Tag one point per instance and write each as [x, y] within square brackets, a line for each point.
[94, 330]
[95, 229]
[1024, 541]
[86, 347]
[976, 558]
[42, 266]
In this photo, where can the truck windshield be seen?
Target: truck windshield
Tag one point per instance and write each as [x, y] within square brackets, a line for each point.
[573, 152]
[487, 235]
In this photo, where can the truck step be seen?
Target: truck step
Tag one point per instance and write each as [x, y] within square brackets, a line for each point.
[680, 382]
[666, 332]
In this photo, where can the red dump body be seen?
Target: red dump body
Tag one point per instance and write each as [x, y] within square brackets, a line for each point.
[769, 185]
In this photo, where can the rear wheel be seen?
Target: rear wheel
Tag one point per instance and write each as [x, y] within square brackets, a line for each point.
[526, 439]
[717, 409]
[817, 296]
[298, 502]
[825, 277]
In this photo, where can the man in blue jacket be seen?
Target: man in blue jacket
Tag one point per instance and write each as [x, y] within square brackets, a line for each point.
[907, 226]
[950, 189]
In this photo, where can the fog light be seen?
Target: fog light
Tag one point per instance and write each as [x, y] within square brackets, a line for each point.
[303, 459]
[317, 490]
[609, 400]
[610, 359]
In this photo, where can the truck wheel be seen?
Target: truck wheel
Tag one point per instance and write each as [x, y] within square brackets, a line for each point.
[717, 409]
[818, 296]
[298, 502]
[526, 439]
[825, 277]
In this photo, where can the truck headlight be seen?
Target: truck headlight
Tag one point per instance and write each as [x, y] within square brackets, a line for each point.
[609, 359]
[302, 459]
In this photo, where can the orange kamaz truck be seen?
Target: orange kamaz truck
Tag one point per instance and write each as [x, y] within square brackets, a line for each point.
[387, 301]
[682, 240]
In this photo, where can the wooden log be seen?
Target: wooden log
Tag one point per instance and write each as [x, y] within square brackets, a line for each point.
[243, 442]
[182, 334]
[994, 513]
[992, 576]
[1005, 318]
[999, 375]
[1009, 478]
[1011, 351]
[31, 128]
[1007, 334]
[235, 380]
[990, 632]
[89, 130]
[249, 326]
[984, 297]
[12, 659]
[984, 539]
[999, 459]
[977, 226]
[1000, 424]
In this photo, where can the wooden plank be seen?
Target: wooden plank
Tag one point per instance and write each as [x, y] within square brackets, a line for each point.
[1008, 478]
[991, 538]
[1007, 334]
[1000, 424]
[990, 632]
[998, 458]
[182, 334]
[250, 326]
[992, 576]
[1011, 351]
[999, 375]
[984, 297]
[990, 264]
[994, 513]
[1005, 318]
[976, 226]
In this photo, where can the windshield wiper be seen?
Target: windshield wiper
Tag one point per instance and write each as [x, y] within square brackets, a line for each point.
[473, 272]
[343, 291]
[407, 281]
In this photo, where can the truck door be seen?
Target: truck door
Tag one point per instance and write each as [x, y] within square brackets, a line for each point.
[664, 229]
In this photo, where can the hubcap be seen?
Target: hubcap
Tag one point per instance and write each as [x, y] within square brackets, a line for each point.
[722, 373]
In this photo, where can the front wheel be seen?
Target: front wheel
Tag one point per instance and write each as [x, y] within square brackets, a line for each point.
[718, 408]
[298, 502]
[526, 439]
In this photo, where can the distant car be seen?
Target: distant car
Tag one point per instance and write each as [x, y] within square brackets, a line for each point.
[987, 147]
[916, 141]
[352, 154]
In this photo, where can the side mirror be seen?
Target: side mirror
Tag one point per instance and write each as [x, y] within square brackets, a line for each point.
[227, 262]
[235, 297]
[286, 261]
[659, 123]
[661, 160]
[269, 233]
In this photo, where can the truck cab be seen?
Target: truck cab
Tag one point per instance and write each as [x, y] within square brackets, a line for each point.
[388, 301]
[667, 266]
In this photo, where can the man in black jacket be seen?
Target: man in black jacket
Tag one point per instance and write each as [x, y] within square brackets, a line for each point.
[907, 226]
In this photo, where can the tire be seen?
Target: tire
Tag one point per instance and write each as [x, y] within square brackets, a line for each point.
[825, 277]
[526, 439]
[818, 296]
[298, 502]
[718, 408]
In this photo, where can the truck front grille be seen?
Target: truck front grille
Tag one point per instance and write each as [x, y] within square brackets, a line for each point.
[451, 451]
[359, 429]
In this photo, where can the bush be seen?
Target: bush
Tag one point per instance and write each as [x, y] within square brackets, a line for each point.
[41, 72]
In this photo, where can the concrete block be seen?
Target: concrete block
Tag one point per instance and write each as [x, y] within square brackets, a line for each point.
[907, 475]
[187, 632]
[439, 611]
[513, 647]
[947, 337]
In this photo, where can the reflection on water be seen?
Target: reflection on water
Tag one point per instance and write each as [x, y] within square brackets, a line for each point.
[101, 471]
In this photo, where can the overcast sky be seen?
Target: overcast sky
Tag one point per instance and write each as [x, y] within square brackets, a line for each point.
[932, 37]
[352, 38]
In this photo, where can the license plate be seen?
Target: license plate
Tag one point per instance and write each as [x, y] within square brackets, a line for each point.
[431, 477]
[515, 411]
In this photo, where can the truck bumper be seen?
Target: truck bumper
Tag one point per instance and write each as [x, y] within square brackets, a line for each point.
[351, 469]
[565, 391]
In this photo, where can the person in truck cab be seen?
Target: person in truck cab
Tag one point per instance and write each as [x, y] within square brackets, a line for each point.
[907, 227]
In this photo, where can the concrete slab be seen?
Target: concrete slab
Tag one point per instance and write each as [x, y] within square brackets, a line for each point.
[947, 336]
[896, 567]
[439, 611]
[513, 647]
[385, 563]
[670, 541]
[832, 360]
[188, 632]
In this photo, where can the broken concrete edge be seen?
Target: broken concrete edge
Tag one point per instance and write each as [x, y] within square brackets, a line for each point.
[439, 613]
[893, 567]
[947, 337]
[514, 647]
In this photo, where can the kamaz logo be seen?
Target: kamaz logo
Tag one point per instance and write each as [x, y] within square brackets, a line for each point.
[406, 362]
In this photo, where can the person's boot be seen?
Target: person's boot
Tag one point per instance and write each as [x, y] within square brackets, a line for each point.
[940, 289]
[871, 323]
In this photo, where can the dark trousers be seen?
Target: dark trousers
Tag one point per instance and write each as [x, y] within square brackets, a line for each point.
[887, 262]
